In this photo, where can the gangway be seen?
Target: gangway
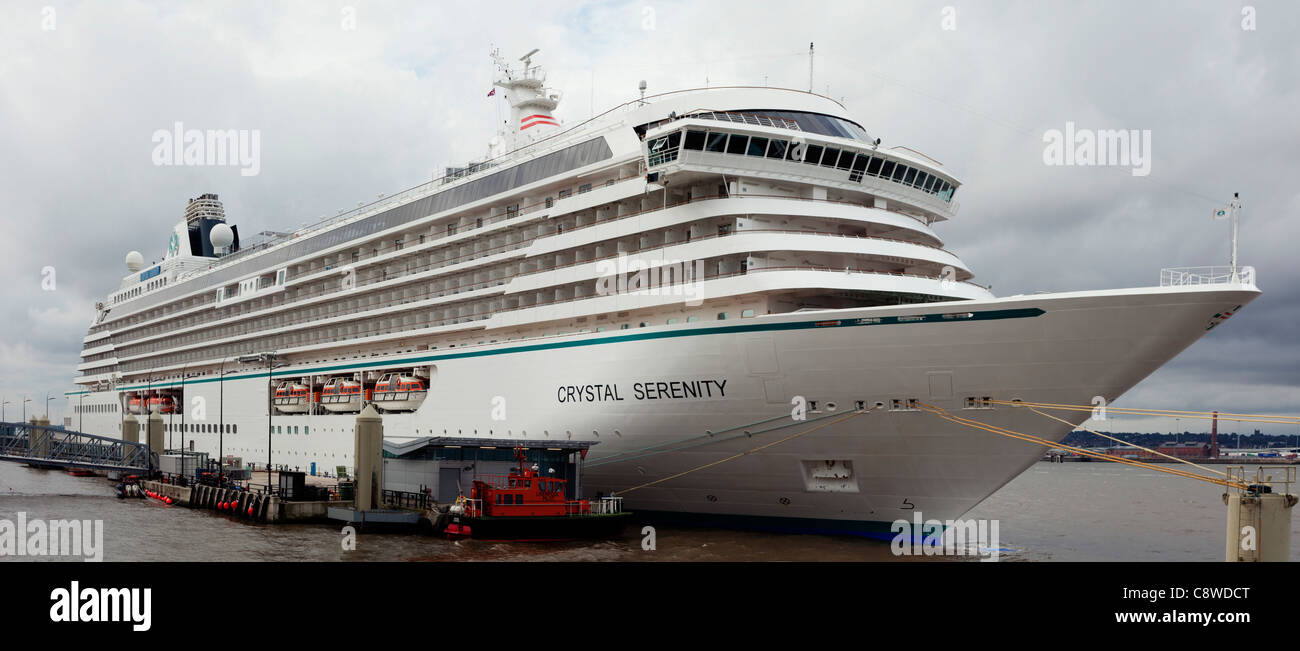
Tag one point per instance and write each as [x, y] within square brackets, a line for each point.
[42, 445]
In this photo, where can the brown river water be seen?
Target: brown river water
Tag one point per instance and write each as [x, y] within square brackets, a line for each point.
[1052, 512]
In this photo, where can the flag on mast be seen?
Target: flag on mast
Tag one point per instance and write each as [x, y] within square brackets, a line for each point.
[492, 92]
[1222, 213]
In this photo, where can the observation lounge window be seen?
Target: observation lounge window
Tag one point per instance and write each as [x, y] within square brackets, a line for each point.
[899, 171]
[814, 154]
[716, 142]
[830, 157]
[757, 147]
[859, 166]
[873, 168]
[915, 180]
[777, 149]
[846, 160]
[737, 144]
[695, 140]
[929, 184]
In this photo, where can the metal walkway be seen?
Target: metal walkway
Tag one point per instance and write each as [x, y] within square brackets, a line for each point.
[52, 446]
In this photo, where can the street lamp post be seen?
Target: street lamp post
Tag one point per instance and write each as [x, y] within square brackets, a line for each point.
[3, 402]
[25, 401]
[47, 404]
[269, 358]
[221, 424]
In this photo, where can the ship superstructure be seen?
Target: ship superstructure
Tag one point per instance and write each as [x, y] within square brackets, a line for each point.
[683, 265]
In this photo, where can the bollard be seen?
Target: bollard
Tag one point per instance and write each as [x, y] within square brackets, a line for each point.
[369, 454]
[154, 431]
[130, 429]
[1259, 519]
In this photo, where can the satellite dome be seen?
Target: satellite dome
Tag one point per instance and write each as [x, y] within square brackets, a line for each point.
[221, 236]
[134, 261]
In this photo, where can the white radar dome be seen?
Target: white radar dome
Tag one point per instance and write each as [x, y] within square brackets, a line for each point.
[134, 261]
[221, 236]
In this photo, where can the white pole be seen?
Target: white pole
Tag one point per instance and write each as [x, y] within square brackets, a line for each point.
[810, 67]
[1236, 207]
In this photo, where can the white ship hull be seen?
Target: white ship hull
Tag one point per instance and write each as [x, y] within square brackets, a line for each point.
[1064, 348]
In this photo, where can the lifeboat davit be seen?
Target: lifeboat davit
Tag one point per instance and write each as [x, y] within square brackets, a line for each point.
[398, 392]
[292, 398]
[341, 395]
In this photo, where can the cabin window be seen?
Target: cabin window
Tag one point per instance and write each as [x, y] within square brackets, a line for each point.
[899, 171]
[737, 144]
[695, 140]
[813, 156]
[716, 142]
[584, 188]
[746, 313]
[846, 160]
[757, 146]
[910, 177]
[777, 149]
[831, 157]
[929, 183]
[887, 169]
[565, 194]
[722, 316]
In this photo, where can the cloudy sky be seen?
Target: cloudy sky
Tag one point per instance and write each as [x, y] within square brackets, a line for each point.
[355, 98]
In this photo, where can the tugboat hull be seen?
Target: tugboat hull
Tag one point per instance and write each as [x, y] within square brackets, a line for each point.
[538, 528]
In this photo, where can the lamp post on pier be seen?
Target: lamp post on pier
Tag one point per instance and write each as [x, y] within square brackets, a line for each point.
[269, 358]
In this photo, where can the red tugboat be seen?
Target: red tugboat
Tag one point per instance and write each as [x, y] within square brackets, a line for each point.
[527, 506]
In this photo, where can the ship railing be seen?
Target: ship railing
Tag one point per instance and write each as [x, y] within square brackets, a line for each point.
[1225, 275]
[473, 508]
[608, 505]
[755, 119]
[744, 231]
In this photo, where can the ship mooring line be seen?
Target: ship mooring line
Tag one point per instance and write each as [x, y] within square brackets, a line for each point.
[1169, 413]
[1030, 438]
[710, 439]
[796, 435]
[1122, 442]
[623, 456]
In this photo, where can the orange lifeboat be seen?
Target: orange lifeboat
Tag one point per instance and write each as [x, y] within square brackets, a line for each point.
[291, 398]
[341, 395]
[164, 404]
[399, 392]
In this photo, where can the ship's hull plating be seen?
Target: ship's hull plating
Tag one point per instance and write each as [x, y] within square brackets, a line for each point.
[675, 398]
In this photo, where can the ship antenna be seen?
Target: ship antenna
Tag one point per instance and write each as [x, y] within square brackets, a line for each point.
[810, 67]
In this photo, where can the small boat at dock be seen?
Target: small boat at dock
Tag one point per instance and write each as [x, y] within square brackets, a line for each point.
[527, 506]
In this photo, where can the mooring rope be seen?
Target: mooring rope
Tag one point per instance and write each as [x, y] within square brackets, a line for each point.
[1030, 438]
[796, 435]
[1168, 413]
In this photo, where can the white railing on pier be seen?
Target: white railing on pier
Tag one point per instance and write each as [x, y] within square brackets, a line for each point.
[1207, 276]
[607, 505]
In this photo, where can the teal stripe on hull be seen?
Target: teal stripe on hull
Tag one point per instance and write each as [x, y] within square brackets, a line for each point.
[830, 322]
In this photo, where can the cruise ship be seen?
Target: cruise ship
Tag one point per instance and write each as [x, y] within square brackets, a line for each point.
[692, 281]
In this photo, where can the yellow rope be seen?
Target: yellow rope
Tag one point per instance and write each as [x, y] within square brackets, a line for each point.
[737, 456]
[1168, 413]
[942, 413]
[1107, 436]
